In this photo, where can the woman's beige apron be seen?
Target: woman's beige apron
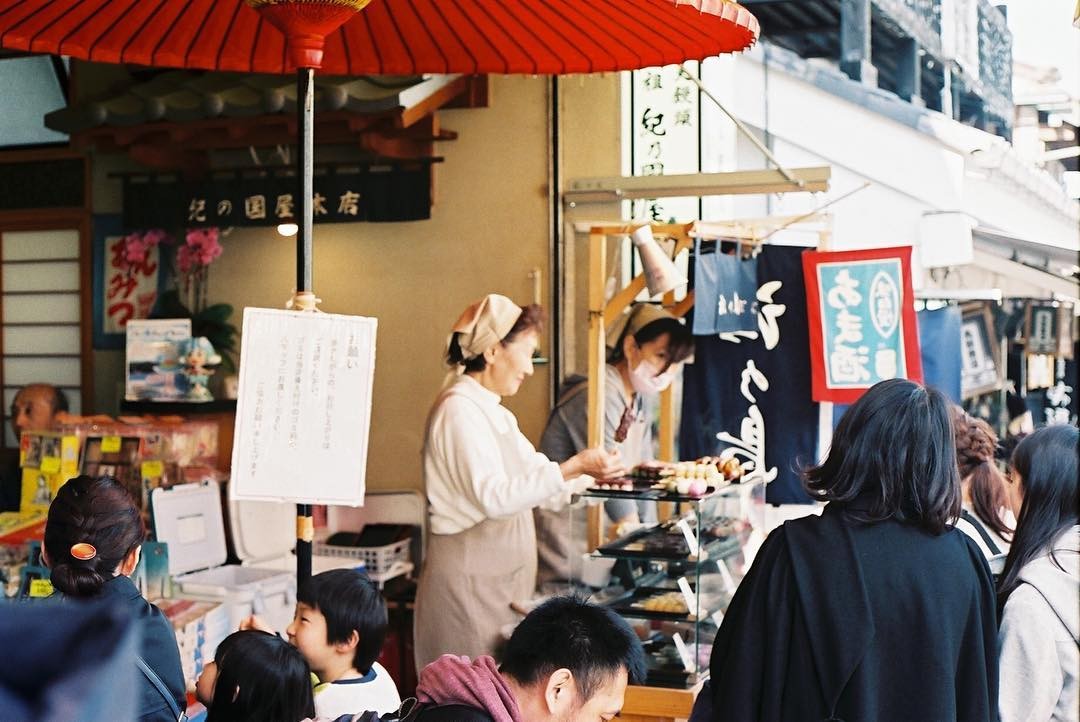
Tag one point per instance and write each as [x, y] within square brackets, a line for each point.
[467, 584]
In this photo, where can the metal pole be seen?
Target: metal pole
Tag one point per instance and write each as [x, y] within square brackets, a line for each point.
[305, 158]
[744, 130]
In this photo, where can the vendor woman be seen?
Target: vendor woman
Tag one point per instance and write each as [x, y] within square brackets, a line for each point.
[483, 479]
[646, 350]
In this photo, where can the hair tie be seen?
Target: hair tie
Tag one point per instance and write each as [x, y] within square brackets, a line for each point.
[83, 551]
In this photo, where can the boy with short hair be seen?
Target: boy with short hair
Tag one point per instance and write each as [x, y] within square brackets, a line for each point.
[339, 627]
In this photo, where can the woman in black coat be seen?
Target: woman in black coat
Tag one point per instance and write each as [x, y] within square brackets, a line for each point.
[877, 610]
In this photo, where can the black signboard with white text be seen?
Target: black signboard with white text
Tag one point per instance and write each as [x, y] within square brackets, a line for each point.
[376, 193]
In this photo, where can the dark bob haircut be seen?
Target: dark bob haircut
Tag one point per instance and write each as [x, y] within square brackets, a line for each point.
[1046, 461]
[531, 319]
[592, 642]
[261, 677]
[893, 457]
[349, 602]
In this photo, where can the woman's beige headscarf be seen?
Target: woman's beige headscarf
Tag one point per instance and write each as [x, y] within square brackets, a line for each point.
[485, 323]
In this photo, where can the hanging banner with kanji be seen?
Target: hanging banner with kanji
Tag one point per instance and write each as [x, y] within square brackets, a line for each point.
[861, 314]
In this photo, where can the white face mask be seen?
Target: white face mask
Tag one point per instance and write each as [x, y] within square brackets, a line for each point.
[645, 380]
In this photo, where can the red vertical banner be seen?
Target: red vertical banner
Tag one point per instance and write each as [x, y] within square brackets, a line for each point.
[861, 315]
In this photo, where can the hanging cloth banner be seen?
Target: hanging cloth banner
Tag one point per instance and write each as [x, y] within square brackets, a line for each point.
[724, 292]
[861, 313]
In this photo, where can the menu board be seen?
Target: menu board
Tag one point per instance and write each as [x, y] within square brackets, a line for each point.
[304, 407]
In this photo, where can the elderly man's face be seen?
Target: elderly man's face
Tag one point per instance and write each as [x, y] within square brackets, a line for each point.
[32, 410]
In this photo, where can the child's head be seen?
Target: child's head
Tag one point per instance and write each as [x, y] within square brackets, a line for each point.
[256, 677]
[93, 532]
[340, 616]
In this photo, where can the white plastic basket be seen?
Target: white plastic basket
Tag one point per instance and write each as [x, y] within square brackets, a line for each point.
[381, 563]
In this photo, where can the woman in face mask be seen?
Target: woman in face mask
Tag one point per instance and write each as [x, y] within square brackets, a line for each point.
[646, 351]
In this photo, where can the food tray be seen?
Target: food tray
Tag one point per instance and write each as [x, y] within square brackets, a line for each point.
[626, 606]
[663, 668]
[642, 489]
[667, 542]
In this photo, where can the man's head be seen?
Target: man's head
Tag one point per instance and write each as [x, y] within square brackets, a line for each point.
[570, 661]
[340, 623]
[35, 408]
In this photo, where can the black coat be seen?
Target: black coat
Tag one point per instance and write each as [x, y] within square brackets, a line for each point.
[452, 713]
[861, 623]
[157, 648]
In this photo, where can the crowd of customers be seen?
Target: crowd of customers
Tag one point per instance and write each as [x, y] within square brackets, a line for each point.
[931, 587]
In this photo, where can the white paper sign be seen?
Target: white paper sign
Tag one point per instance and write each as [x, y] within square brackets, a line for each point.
[304, 407]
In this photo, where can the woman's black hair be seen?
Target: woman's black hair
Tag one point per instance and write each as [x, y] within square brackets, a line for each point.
[680, 341]
[893, 457]
[531, 319]
[260, 678]
[90, 510]
[1046, 461]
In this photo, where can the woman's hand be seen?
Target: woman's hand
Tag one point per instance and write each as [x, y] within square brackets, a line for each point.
[597, 463]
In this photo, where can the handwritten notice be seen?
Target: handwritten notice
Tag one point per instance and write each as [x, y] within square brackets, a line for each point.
[304, 407]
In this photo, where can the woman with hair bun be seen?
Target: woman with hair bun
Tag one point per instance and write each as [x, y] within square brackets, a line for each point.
[483, 479]
[93, 538]
[982, 488]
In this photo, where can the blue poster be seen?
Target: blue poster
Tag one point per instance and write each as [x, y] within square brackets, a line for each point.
[860, 303]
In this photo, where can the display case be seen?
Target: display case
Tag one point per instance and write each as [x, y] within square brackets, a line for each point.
[672, 580]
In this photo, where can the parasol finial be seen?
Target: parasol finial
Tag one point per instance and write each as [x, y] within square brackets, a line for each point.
[306, 23]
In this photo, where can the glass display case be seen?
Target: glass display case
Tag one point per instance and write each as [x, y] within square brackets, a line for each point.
[671, 579]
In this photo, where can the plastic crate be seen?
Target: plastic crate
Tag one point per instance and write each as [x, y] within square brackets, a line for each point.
[382, 562]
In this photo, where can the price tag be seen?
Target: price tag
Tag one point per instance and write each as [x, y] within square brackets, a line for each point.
[40, 588]
[718, 617]
[688, 596]
[50, 464]
[684, 652]
[154, 469]
[110, 444]
[691, 540]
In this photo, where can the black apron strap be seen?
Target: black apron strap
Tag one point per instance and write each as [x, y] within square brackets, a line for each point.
[977, 523]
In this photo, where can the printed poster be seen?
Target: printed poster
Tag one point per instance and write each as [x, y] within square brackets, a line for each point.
[861, 314]
[304, 407]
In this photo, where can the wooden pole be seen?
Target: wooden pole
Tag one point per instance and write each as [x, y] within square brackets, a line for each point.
[597, 362]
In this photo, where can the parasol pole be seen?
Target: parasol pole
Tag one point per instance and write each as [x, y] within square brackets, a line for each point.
[305, 25]
[305, 159]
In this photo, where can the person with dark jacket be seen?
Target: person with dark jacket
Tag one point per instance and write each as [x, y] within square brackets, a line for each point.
[567, 661]
[878, 609]
[93, 538]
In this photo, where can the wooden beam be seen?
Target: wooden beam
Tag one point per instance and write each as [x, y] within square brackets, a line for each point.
[697, 185]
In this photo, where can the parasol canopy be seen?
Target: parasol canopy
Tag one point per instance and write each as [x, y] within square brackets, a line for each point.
[388, 37]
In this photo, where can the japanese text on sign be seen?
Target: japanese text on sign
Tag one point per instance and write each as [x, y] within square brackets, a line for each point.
[860, 316]
[304, 407]
[130, 289]
[664, 113]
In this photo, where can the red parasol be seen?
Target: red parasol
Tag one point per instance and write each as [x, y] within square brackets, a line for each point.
[397, 37]
[391, 37]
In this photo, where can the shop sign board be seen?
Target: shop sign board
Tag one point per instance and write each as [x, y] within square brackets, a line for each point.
[1048, 329]
[978, 355]
[387, 193]
[304, 407]
[861, 314]
[665, 135]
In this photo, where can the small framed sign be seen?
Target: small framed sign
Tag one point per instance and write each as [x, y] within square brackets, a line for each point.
[979, 354]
